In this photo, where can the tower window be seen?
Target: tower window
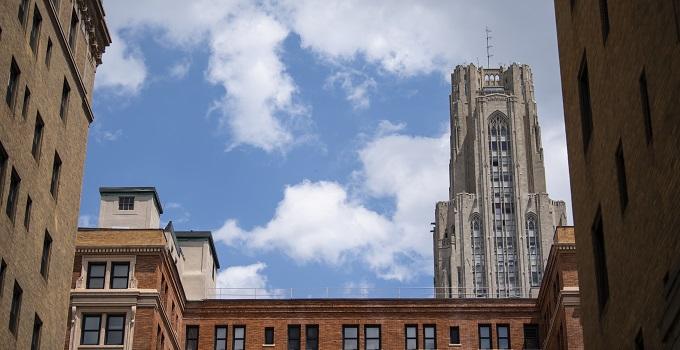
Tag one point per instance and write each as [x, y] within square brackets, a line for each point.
[621, 175]
[56, 171]
[37, 136]
[63, 107]
[73, 31]
[646, 109]
[35, 30]
[12, 84]
[27, 102]
[584, 102]
[15, 309]
[126, 203]
[45, 257]
[604, 17]
[600, 258]
[13, 195]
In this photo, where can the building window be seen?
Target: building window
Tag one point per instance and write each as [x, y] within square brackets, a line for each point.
[13, 195]
[73, 31]
[584, 103]
[96, 272]
[126, 203]
[269, 335]
[600, 257]
[3, 166]
[120, 273]
[239, 338]
[37, 327]
[115, 330]
[27, 102]
[621, 175]
[48, 52]
[37, 136]
[45, 257]
[350, 337]
[192, 338]
[484, 336]
[534, 249]
[312, 337]
[293, 337]
[3, 270]
[604, 17]
[12, 84]
[15, 309]
[639, 341]
[454, 335]
[23, 11]
[531, 337]
[503, 334]
[221, 338]
[65, 93]
[35, 30]
[91, 327]
[430, 337]
[478, 258]
[372, 337]
[56, 170]
[411, 337]
[504, 232]
[646, 109]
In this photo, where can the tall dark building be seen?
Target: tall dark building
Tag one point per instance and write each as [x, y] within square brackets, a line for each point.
[620, 67]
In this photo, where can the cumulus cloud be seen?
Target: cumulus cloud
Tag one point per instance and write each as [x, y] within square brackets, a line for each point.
[356, 86]
[123, 70]
[245, 281]
[180, 69]
[330, 223]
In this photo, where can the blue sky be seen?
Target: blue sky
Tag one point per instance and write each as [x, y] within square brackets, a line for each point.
[310, 137]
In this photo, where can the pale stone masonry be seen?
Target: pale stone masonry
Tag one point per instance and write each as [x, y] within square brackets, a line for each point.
[493, 235]
[49, 52]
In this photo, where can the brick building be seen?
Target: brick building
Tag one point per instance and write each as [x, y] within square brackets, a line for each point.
[620, 68]
[49, 52]
[134, 286]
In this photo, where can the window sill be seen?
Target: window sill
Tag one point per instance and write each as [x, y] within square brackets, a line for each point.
[268, 345]
[456, 345]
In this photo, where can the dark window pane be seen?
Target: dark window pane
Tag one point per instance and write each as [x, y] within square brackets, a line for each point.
[584, 101]
[15, 309]
[95, 275]
[12, 84]
[269, 335]
[37, 328]
[312, 341]
[37, 136]
[621, 174]
[646, 109]
[119, 275]
[27, 102]
[115, 329]
[600, 257]
[90, 330]
[293, 337]
[56, 170]
[45, 258]
[63, 107]
[13, 195]
[73, 32]
[35, 30]
[454, 335]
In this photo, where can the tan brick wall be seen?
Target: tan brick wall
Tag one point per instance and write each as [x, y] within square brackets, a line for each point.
[641, 242]
[22, 248]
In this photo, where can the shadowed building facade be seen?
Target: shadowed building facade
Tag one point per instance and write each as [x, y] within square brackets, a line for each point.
[493, 235]
[620, 68]
[49, 52]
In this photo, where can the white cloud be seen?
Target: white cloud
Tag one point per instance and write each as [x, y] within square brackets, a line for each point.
[323, 222]
[180, 69]
[245, 281]
[557, 165]
[85, 221]
[356, 86]
[122, 70]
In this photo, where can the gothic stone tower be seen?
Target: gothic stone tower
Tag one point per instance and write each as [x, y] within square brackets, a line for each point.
[492, 237]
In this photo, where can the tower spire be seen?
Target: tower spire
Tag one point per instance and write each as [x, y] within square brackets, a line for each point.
[488, 47]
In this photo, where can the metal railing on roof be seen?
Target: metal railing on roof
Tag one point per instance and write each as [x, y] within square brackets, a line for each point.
[361, 293]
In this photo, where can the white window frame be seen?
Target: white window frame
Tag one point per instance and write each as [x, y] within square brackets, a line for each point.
[104, 312]
[108, 260]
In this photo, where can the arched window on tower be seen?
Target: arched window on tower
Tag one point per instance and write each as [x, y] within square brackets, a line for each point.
[534, 250]
[478, 258]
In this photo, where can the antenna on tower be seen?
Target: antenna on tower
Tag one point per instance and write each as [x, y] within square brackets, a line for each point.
[488, 47]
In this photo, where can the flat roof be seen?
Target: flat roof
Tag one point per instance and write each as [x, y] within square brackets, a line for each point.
[133, 190]
[199, 235]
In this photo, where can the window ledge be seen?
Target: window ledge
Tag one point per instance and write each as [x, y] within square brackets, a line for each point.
[456, 345]
[268, 345]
